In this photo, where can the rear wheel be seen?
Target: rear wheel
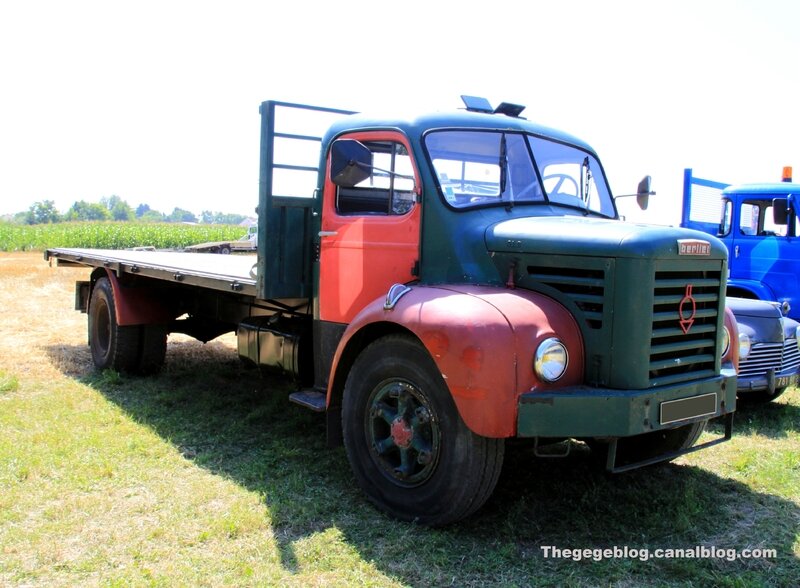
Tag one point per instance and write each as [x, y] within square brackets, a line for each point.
[409, 449]
[134, 349]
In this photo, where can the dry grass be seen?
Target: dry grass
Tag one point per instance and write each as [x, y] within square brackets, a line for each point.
[205, 476]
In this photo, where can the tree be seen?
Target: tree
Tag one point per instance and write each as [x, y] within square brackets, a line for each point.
[42, 213]
[181, 216]
[152, 216]
[142, 209]
[221, 218]
[87, 211]
[119, 209]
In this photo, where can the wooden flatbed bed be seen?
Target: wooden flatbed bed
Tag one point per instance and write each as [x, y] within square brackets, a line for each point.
[228, 273]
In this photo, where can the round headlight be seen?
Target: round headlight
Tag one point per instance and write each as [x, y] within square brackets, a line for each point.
[551, 360]
[744, 345]
[726, 341]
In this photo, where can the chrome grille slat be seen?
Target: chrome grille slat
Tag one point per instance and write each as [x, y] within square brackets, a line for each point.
[782, 357]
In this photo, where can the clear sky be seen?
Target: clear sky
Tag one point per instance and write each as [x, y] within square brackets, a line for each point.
[157, 101]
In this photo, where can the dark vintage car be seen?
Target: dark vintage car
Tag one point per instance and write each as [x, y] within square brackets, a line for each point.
[769, 356]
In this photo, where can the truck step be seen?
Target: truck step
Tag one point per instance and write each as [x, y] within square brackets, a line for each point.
[313, 399]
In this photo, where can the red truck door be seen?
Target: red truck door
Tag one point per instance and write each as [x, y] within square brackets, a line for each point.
[370, 232]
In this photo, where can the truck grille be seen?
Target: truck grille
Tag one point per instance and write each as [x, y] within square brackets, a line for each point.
[784, 358]
[585, 287]
[684, 351]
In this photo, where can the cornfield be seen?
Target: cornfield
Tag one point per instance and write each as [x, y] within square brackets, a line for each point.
[111, 235]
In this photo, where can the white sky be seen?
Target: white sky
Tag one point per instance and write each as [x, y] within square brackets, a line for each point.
[157, 102]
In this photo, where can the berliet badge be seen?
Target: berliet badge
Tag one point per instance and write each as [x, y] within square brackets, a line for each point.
[693, 247]
[687, 310]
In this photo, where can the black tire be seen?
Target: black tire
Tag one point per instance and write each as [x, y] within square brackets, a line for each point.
[153, 349]
[409, 449]
[225, 250]
[136, 349]
[650, 445]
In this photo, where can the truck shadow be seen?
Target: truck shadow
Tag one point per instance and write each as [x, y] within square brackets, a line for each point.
[236, 424]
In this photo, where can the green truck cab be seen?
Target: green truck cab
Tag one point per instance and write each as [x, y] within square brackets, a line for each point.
[453, 280]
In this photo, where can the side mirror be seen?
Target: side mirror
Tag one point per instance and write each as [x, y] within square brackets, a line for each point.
[780, 211]
[351, 162]
[644, 192]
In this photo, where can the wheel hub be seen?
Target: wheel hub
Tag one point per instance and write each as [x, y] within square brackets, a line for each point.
[402, 432]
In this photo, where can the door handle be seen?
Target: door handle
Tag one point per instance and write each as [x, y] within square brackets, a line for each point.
[328, 233]
[736, 251]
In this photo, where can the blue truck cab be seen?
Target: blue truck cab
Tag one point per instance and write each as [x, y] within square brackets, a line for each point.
[759, 225]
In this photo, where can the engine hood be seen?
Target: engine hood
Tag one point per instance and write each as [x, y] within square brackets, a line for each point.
[755, 308]
[587, 236]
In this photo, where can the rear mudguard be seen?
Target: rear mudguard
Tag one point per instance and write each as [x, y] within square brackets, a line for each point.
[136, 305]
[483, 340]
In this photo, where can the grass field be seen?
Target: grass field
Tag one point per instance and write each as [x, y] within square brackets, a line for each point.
[206, 476]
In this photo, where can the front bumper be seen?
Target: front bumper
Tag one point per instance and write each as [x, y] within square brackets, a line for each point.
[582, 412]
[769, 382]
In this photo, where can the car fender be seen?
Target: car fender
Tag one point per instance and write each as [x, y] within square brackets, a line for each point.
[483, 340]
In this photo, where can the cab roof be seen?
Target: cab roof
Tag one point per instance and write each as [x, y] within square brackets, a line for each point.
[415, 126]
[774, 188]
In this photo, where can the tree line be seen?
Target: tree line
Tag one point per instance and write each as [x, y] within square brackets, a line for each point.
[114, 208]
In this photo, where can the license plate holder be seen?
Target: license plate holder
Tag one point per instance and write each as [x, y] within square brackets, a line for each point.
[784, 381]
[684, 409]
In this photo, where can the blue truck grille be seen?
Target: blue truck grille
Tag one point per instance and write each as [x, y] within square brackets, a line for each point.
[683, 345]
[784, 358]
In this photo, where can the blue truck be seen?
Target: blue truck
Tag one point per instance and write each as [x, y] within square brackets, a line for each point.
[758, 224]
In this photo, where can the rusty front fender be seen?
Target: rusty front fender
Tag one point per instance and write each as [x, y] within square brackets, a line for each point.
[483, 340]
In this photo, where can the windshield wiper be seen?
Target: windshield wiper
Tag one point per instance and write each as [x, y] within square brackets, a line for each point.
[504, 168]
[587, 181]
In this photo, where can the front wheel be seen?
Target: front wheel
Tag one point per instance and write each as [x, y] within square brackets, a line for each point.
[409, 449]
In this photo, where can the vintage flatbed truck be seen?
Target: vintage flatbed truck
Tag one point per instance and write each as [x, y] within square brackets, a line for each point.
[448, 282]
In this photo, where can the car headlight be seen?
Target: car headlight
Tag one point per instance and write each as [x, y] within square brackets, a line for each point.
[797, 336]
[744, 345]
[726, 341]
[551, 360]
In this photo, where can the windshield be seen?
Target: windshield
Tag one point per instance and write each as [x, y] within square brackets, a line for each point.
[480, 168]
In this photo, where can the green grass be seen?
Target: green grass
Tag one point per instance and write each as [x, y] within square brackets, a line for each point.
[8, 382]
[111, 235]
[205, 475]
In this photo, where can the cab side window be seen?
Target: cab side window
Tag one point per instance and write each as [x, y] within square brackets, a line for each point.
[756, 219]
[725, 223]
[389, 189]
[749, 216]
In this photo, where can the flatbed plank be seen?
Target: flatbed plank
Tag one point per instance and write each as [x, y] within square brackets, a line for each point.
[213, 267]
